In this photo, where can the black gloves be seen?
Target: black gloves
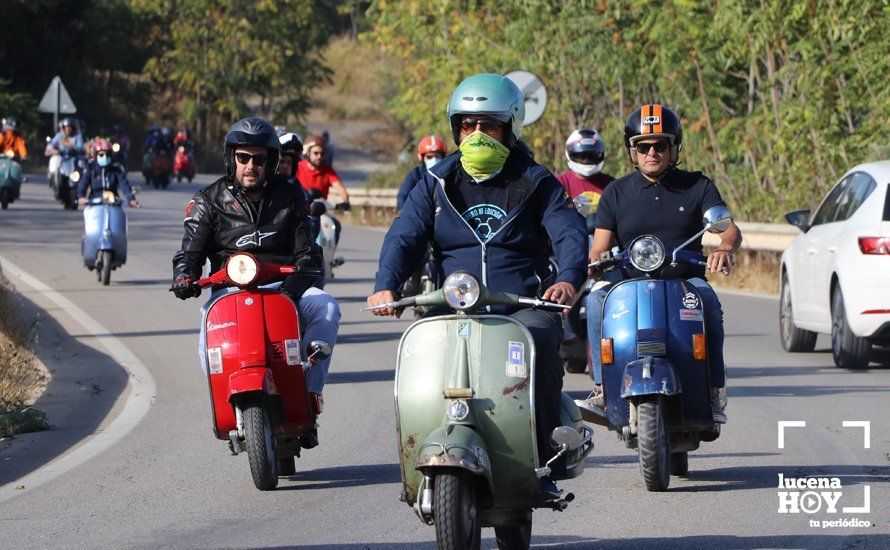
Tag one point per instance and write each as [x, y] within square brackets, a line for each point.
[184, 288]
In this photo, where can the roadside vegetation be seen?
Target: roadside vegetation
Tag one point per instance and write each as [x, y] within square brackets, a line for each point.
[20, 379]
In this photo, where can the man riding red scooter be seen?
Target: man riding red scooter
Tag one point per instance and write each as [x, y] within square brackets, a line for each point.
[266, 335]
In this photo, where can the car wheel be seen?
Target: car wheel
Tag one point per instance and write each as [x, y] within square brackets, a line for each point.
[793, 339]
[849, 350]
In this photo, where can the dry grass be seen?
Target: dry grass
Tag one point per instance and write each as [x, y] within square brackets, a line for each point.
[755, 271]
[20, 379]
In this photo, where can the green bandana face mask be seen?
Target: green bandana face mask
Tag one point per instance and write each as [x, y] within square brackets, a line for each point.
[482, 156]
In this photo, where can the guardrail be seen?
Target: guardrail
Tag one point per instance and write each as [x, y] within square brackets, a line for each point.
[379, 206]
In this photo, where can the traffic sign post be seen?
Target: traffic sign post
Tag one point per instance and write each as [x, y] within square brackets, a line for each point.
[57, 101]
[534, 93]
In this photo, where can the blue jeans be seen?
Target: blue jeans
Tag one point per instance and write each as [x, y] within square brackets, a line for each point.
[713, 313]
[319, 320]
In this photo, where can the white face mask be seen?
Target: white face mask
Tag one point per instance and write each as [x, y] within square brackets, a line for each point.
[585, 170]
[429, 163]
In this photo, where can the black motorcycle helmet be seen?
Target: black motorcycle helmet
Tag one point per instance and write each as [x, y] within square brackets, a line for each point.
[252, 131]
[654, 120]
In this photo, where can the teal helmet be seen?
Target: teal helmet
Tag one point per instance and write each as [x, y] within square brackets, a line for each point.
[488, 94]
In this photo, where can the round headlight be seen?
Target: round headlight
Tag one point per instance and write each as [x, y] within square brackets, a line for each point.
[74, 176]
[458, 410]
[461, 290]
[242, 269]
[647, 253]
[116, 147]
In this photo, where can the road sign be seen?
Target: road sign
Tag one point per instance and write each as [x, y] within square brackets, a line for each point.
[533, 91]
[56, 100]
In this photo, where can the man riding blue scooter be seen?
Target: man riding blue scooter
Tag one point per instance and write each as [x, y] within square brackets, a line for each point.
[660, 200]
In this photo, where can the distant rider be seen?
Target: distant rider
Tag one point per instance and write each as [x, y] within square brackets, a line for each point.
[252, 210]
[69, 141]
[12, 143]
[119, 136]
[103, 174]
[585, 154]
[316, 175]
[661, 200]
[430, 151]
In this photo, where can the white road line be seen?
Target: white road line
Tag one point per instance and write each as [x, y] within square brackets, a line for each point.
[140, 386]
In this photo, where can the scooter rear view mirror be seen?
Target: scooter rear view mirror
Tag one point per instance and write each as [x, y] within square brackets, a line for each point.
[319, 350]
[566, 437]
[717, 219]
[318, 209]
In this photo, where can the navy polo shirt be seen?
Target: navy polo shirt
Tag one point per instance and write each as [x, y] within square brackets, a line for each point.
[670, 209]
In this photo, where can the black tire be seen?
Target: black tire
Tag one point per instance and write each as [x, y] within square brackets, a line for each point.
[5, 194]
[260, 444]
[455, 513]
[286, 466]
[849, 351]
[575, 366]
[515, 537]
[654, 445]
[72, 198]
[794, 339]
[106, 256]
[680, 464]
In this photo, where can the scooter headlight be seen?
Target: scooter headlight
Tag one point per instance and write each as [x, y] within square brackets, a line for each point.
[116, 147]
[458, 409]
[242, 269]
[74, 176]
[647, 253]
[461, 290]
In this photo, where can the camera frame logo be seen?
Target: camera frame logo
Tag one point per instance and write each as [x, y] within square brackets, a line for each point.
[815, 494]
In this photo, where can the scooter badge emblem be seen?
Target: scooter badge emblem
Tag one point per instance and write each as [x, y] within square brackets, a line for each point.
[516, 360]
[690, 301]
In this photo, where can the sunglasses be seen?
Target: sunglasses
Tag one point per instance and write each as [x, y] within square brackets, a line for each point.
[258, 160]
[659, 146]
[487, 125]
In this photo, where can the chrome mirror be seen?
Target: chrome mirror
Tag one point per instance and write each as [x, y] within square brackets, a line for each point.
[319, 350]
[566, 437]
[717, 219]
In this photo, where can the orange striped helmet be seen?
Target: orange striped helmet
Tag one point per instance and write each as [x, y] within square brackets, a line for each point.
[654, 120]
[430, 144]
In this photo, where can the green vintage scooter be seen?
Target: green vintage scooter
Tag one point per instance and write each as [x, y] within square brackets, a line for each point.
[465, 409]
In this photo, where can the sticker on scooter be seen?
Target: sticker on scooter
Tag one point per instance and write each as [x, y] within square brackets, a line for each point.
[211, 327]
[292, 351]
[214, 360]
[691, 315]
[690, 301]
[463, 329]
[516, 360]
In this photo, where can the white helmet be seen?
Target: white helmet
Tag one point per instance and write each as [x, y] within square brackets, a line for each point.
[585, 152]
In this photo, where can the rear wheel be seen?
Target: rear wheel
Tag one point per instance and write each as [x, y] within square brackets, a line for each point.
[105, 256]
[455, 513]
[793, 338]
[515, 537]
[849, 351]
[680, 464]
[654, 444]
[260, 446]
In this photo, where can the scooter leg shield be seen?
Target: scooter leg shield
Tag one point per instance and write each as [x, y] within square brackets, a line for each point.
[455, 446]
[650, 376]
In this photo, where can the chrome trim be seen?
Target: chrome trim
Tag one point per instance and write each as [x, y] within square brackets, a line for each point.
[655, 349]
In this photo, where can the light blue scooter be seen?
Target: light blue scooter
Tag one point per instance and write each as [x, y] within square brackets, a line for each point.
[104, 244]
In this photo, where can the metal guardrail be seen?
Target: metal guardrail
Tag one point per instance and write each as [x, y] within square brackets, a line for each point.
[771, 237]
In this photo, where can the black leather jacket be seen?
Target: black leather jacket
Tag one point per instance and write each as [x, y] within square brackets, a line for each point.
[220, 221]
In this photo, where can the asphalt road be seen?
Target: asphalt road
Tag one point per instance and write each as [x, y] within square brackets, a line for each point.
[170, 483]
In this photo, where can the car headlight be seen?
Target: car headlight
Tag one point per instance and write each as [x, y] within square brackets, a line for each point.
[461, 290]
[74, 176]
[458, 410]
[242, 269]
[647, 253]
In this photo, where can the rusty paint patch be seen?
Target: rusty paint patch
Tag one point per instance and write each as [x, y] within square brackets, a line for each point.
[517, 387]
[410, 441]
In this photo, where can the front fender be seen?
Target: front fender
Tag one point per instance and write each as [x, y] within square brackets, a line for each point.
[249, 380]
[455, 446]
[650, 376]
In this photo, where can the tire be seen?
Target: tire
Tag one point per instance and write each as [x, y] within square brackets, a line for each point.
[454, 511]
[849, 351]
[260, 446]
[5, 193]
[794, 339]
[654, 445]
[575, 366]
[680, 464]
[515, 537]
[106, 256]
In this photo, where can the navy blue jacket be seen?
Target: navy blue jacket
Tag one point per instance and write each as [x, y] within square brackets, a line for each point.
[97, 179]
[515, 259]
[410, 182]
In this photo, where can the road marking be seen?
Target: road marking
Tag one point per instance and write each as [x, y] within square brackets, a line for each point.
[788, 424]
[866, 428]
[140, 384]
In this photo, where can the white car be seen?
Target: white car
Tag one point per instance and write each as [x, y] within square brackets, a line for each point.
[835, 277]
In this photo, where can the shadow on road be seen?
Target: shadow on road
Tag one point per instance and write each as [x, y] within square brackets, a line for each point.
[364, 338]
[344, 476]
[361, 376]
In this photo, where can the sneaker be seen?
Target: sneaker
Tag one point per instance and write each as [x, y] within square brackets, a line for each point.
[549, 490]
[718, 404]
[309, 439]
[593, 409]
[317, 402]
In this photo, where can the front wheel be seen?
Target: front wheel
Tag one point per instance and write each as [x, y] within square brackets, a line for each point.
[849, 351]
[455, 513]
[5, 195]
[260, 446]
[105, 277]
[654, 444]
[793, 338]
[515, 537]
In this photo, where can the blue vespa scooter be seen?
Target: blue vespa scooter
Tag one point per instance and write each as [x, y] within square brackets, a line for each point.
[104, 245]
[656, 381]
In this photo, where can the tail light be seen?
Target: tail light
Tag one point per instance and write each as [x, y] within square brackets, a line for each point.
[699, 351]
[874, 245]
[606, 354]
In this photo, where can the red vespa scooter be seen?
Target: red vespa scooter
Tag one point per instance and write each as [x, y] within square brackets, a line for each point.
[257, 377]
